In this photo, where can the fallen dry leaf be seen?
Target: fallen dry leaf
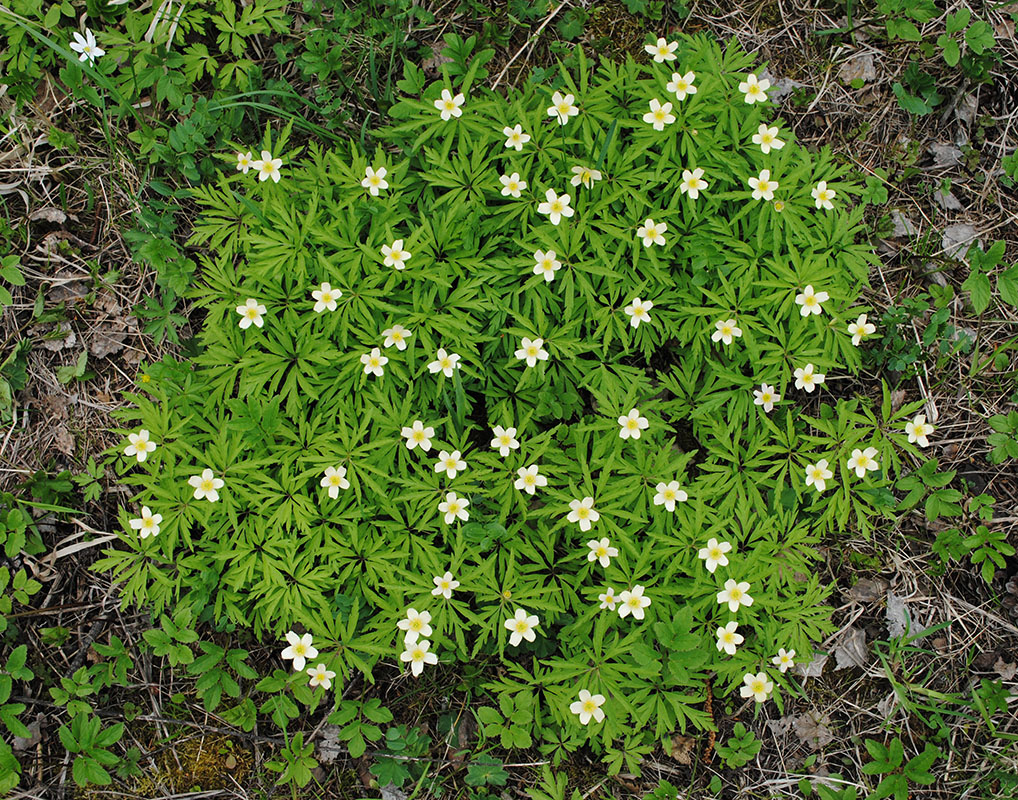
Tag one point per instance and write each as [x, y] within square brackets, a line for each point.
[851, 650]
[814, 669]
[814, 731]
[867, 590]
[64, 440]
[897, 616]
[48, 214]
[1005, 670]
[681, 748]
[957, 240]
[858, 67]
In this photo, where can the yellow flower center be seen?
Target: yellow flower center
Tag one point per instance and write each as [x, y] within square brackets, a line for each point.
[727, 637]
[334, 480]
[810, 300]
[528, 479]
[682, 86]
[446, 363]
[373, 361]
[417, 654]
[503, 440]
[726, 330]
[251, 313]
[763, 185]
[757, 687]
[450, 463]
[669, 494]
[454, 508]
[415, 624]
[663, 51]
[818, 474]
[563, 108]
[633, 602]
[300, 649]
[546, 265]
[532, 351]
[147, 522]
[600, 552]
[206, 486]
[449, 105]
[583, 512]
[779, 206]
[522, 626]
[146, 378]
[638, 311]
[766, 138]
[632, 424]
[862, 461]
[515, 137]
[267, 166]
[326, 297]
[735, 594]
[659, 114]
[766, 397]
[418, 436]
[754, 89]
[506, 594]
[375, 180]
[589, 707]
[715, 554]
[557, 206]
[443, 584]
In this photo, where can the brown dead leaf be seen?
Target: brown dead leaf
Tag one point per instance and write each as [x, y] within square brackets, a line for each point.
[681, 749]
[851, 649]
[64, 440]
[48, 214]
[1005, 670]
[814, 731]
[858, 67]
[106, 343]
[866, 590]
[56, 339]
[814, 669]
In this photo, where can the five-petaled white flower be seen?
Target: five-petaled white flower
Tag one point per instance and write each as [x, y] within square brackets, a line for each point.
[445, 585]
[863, 461]
[757, 686]
[633, 601]
[454, 506]
[416, 625]
[601, 551]
[651, 233]
[584, 175]
[374, 181]
[206, 486]
[766, 396]
[663, 50]
[555, 206]
[374, 362]
[512, 185]
[817, 475]
[728, 639]
[588, 707]
[681, 85]
[505, 440]
[251, 314]
[325, 298]
[529, 479]
[668, 494]
[562, 107]
[300, 648]
[267, 167]
[822, 196]
[418, 436]
[608, 599]
[713, 555]
[147, 524]
[244, 161]
[444, 363]
[449, 105]
[417, 655]
[726, 331]
[522, 626]
[87, 46]
[659, 115]
[547, 264]
[395, 256]
[692, 183]
[754, 89]
[631, 424]
[532, 351]
[784, 660]
[918, 429]
[583, 512]
[735, 594]
[515, 137]
[763, 187]
[334, 480]
[860, 329]
[396, 335]
[767, 138]
[321, 676]
[140, 445]
[450, 462]
[639, 311]
[809, 302]
[806, 378]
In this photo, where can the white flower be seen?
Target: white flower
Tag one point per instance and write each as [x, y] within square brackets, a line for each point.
[863, 461]
[663, 50]
[418, 436]
[763, 187]
[918, 429]
[373, 362]
[651, 233]
[444, 585]
[757, 686]
[444, 363]
[450, 106]
[638, 311]
[682, 85]
[416, 625]
[147, 524]
[450, 462]
[735, 594]
[754, 89]
[87, 46]
[817, 475]
[140, 445]
[767, 138]
[453, 507]
[251, 314]
[692, 183]
[823, 196]
[555, 206]
[300, 649]
[809, 302]
[632, 601]
[374, 181]
[244, 161]
[588, 707]
[267, 167]
[417, 654]
[601, 551]
[522, 626]
[659, 115]
[583, 512]
[783, 660]
[395, 256]
[766, 396]
[608, 599]
[713, 554]
[505, 440]
[632, 424]
[860, 329]
[532, 351]
[668, 494]
[325, 297]
[396, 335]
[584, 175]
[334, 480]
[806, 378]
[515, 137]
[562, 108]
[547, 264]
[206, 486]
[728, 639]
[512, 185]
[529, 479]
[726, 331]
[320, 676]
